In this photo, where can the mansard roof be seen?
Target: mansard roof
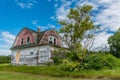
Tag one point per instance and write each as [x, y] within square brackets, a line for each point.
[27, 29]
[38, 36]
[41, 33]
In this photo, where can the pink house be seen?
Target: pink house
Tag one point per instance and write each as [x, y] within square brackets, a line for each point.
[34, 47]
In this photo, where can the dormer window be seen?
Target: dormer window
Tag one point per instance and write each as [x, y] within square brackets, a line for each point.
[28, 40]
[52, 40]
[22, 41]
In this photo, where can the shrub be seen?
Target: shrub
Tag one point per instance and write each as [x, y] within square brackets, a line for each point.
[70, 65]
[57, 60]
[100, 61]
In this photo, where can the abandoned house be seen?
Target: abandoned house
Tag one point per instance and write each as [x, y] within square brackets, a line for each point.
[34, 47]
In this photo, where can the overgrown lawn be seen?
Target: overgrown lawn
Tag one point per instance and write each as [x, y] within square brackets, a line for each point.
[55, 71]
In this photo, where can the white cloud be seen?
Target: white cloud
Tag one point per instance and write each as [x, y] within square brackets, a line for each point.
[51, 26]
[46, 27]
[5, 46]
[34, 22]
[43, 27]
[110, 16]
[6, 41]
[101, 41]
[5, 52]
[106, 14]
[63, 10]
[26, 4]
[105, 1]
[7, 37]
[53, 18]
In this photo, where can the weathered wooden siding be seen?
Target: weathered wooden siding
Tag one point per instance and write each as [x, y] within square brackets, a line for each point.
[26, 58]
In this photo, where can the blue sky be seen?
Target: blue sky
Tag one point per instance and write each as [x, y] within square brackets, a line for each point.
[17, 14]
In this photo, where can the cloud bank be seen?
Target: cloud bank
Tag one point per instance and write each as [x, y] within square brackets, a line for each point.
[6, 41]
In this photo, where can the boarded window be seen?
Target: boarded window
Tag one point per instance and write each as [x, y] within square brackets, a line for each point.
[31, 53]
[44, 56]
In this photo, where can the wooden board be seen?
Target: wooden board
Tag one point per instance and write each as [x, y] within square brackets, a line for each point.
[17, 57]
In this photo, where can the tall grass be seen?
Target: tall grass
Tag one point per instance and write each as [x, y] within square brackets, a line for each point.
[56, 71]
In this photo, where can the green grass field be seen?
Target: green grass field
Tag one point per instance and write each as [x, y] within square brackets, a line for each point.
[8, 72]
[24, 76]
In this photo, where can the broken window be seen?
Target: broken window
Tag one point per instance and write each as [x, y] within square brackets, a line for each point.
[22, 41]
[31, 53]
[28, 40]
[52, 40]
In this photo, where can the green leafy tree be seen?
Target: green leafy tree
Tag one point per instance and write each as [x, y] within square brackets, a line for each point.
[114, 43]
[76, 29]
[5, 59]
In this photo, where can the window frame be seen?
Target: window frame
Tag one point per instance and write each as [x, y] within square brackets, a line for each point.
[52, 39]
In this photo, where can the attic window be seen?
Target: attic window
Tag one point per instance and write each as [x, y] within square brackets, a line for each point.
[28, 39]
[21, 41]
[52, 40]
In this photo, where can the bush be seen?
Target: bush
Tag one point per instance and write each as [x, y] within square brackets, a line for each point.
[70, 65]
[57, 60]
[100, 61]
